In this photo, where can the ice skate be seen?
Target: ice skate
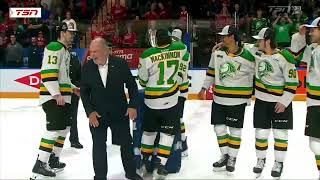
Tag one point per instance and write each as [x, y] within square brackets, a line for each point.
[259, 167]
[221, 164]
[42, 170]
[277, 170]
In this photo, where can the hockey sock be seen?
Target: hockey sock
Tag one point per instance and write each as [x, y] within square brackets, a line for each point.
[223, 138]
[147, 143]
[46, 145]
[315, 148]
[234, 141]
[183, 130]
[60, 141]
[165, 145]
[280, 144]
[262, 136]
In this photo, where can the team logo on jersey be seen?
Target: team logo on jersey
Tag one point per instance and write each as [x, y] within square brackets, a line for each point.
[227, 69]
[264, 69]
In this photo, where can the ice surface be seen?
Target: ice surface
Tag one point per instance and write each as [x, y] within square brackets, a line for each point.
[22, 124]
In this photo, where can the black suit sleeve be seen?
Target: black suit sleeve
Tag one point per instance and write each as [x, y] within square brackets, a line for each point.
[85, 90]
[132, 87]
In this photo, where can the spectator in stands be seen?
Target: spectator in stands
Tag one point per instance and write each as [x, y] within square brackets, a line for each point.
[72, 22]
[69, 19]
[274, 16]
[97, 31]
[298, 19]
[14, 53]
[109, 26]
[58, 6]
[118, 11]
[213, 8]
[130, 38]
[152, 14]
[223, 18]
[259, 22]
[18, 32]
[58, 13]
[283, 30]
[183, 13]
[52, 24]
[238, 16]
[41, 41]
[34, 54]
[117, 39]
[34, 26]
[163, 14]
[45, 13]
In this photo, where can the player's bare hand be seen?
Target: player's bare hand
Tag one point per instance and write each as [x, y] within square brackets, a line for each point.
[279, 108]
[303, 29]
[59, 99]
[202, 94]
[132, 113]
[93, 119]
[76, 91]
[217, 46]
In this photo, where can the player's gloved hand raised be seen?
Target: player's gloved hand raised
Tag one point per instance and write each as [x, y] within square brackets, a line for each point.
[59, 99]
[93, 119]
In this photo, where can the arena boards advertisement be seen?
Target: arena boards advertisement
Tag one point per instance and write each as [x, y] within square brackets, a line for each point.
[25, 83]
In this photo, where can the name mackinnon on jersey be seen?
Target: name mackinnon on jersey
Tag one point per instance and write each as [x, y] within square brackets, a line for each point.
[165, 56]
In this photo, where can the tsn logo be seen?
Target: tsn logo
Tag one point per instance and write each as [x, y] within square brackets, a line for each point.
[25, 12]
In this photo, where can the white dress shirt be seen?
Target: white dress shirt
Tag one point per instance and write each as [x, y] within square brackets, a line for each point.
[103, 70]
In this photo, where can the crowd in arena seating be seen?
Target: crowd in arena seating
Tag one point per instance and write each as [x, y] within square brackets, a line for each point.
[127, 23]
[35, 33]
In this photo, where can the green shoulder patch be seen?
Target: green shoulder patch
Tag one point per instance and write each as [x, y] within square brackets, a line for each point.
[54, 46]
[148, 52]
[177, 46]
[288, 56]
[247, 55]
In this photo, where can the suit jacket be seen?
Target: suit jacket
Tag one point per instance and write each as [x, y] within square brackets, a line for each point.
[109, 101]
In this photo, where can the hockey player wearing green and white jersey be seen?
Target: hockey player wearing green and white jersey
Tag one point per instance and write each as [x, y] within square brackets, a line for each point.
[176, 35]
[55, 99]
[276, 81]
[231, 70]
[311, 56]
[162, 69]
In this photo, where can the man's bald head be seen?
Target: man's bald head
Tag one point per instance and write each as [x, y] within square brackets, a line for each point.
[99, 50]
[101, 41]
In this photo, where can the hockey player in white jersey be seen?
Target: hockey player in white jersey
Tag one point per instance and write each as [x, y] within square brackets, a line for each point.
[162, 69]
[231, 70]
[276, 81]
[55, 98]
[311, 56]
[176, 35]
